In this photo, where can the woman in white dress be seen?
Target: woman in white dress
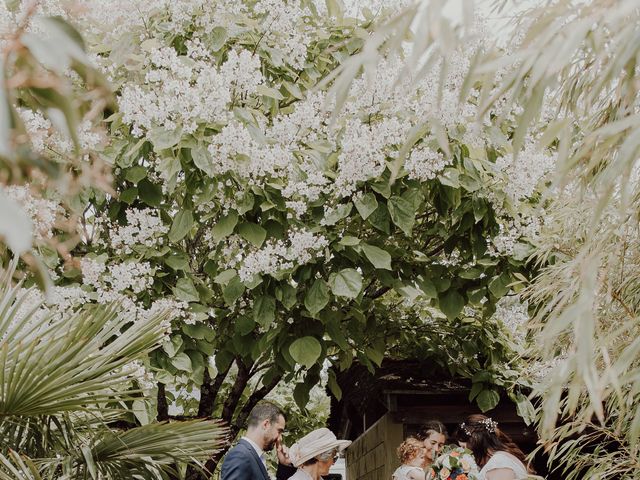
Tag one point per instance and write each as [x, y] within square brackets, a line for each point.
[498, 457]
[315, 453]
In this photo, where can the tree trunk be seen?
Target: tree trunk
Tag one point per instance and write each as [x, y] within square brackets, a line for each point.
[230, 406]
[163, 406]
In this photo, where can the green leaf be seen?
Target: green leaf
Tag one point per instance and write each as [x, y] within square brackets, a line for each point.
[301, 394]
[366, 205]
[264, 308]
[178, 261]
[333, 385]
[245, 324]
[289, 296]
[346, 283]
[338, 213]
[225, 226]
[427, 287]
[306, 351]
[479, 208]
[150, 193]
[349, 241]
[182, 223]
[335, 8]
[225, 277]
[161, 138]
[525, 409]
[129, 195]
[402, 213]
[252, 233]
[269, 92]
[487, 399]
[451, 304]
[334, 330]
[317, 297]
[173, 347]
[217, 38]
[294, 90]
[223, 359]
[380, 218]
[476, 388]
[185, 290]
[498, 286]
[202, 159]
[198, 331]
[378, 257]
[233, 291]
[182, 361]
[135, 174]
[374, 355]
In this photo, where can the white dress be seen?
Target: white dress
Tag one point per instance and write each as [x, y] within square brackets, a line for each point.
[504, 460]
[402, 472]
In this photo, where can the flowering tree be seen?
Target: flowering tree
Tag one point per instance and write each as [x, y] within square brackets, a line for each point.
[572, 66]
[68, 382]
[278, 231]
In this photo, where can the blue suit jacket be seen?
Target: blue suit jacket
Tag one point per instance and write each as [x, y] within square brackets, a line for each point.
[242, 463]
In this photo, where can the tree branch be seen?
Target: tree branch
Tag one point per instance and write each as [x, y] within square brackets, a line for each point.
[235, 394]
[209, 391]
[378, 293]
[253, 400]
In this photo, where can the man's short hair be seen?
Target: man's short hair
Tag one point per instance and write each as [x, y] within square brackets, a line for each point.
[264, 411]
[432, 426]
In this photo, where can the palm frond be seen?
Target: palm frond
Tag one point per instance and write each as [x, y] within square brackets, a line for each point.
[156, 447]
[16, 467]
[56, 364]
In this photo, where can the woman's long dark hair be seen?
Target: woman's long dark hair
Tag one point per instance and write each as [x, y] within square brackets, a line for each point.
[484, 439]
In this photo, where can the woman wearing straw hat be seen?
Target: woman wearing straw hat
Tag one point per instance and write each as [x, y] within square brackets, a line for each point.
[314, 454]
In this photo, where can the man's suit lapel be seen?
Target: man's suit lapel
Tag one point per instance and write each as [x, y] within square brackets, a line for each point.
[256, 458]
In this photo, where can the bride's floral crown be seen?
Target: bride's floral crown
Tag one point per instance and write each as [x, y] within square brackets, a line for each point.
[489, 424]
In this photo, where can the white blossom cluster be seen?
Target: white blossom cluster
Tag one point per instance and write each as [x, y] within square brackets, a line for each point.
[43, 212]
[45, 139]
[424, 163]
[138, 372]
[116, 282]
[127, 276]
[513, 313]
[243, 72]
[513, 230]
[58, 301]
[235, 150]
[144, 227]
[524, 173]
[121, 282]
[177, 93]
[365, 149]
[175, 311]
[300, 247]
[284, 26]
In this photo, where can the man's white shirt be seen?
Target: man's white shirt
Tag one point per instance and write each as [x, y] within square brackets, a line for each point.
[258, 450]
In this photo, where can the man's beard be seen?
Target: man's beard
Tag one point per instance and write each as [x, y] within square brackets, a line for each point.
[269, 446]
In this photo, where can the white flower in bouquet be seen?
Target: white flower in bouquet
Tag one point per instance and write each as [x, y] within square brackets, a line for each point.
[455, 463]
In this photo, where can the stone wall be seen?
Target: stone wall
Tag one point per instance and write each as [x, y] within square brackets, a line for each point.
[372, 456]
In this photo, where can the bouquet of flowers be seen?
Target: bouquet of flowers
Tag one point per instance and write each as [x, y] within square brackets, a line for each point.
[454, 464]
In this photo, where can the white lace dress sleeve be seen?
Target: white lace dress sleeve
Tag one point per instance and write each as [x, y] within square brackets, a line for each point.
[504, 460]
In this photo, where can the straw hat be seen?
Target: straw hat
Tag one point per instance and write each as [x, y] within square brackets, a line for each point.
[313, 444]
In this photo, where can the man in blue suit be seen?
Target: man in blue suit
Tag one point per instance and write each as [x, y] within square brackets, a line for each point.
[246, 461]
